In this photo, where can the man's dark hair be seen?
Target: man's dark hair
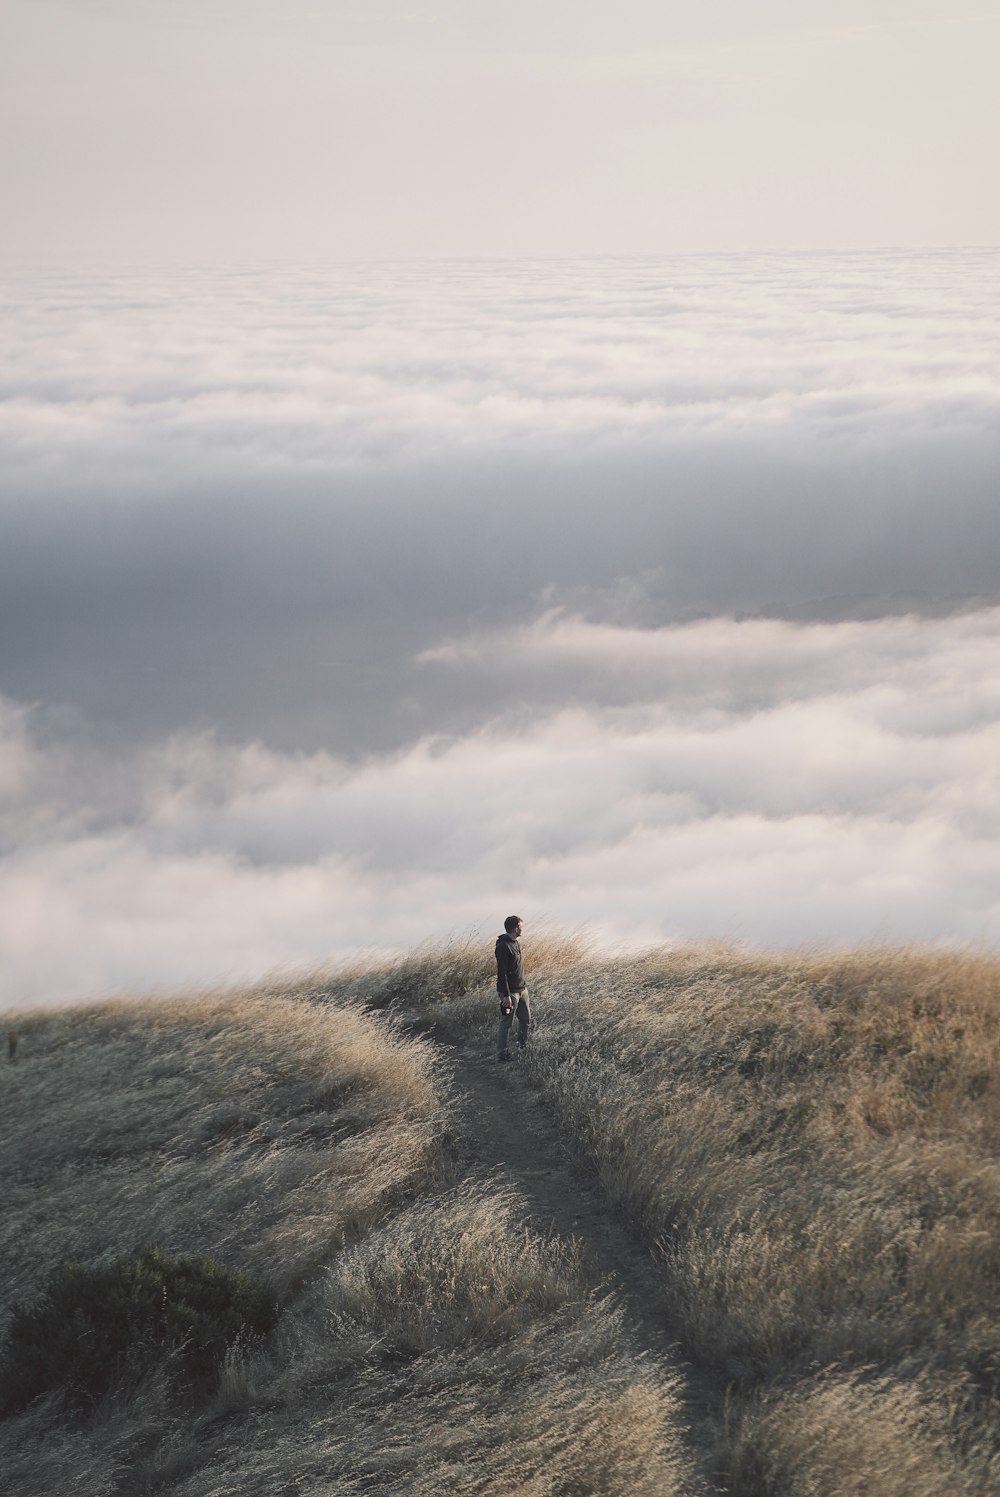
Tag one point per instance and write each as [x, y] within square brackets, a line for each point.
[510, 924]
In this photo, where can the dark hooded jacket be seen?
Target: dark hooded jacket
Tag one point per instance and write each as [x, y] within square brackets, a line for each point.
[510, 968]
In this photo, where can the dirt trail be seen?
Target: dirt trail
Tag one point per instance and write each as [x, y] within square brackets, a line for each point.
[506, 1133]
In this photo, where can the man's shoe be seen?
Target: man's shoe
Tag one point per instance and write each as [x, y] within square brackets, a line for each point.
[502, 1058]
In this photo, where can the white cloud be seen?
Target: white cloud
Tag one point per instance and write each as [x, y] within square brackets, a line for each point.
[328, 586]
[789, 783]
[354, 363]
[932, 671]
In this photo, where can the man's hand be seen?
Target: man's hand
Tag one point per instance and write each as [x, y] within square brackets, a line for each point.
[506, 1006]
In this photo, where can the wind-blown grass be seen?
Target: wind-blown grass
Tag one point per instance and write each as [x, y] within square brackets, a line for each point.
[808, 1142]
[426, 1341]
[435, 974]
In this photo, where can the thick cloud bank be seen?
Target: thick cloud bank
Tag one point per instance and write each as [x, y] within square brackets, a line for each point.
[770, 781]
[342, 607]
[240, 502]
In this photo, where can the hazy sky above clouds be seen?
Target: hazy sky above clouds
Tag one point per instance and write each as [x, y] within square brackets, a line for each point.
[461, 457]
[202, 129]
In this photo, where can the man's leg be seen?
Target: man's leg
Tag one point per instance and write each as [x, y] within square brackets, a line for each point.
[503, 1033]
[523, 1020]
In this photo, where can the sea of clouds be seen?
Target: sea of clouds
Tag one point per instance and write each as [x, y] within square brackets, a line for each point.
[346, 607]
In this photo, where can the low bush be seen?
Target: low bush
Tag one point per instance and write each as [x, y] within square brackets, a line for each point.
[94, 1328]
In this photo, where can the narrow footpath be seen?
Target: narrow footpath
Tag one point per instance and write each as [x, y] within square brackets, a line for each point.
[507, 1134]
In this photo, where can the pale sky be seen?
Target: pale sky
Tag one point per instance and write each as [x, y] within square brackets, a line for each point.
[241, 129]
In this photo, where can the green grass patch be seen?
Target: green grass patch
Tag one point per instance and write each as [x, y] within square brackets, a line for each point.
[95, 1328]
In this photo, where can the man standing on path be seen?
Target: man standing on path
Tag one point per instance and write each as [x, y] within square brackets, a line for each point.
[511, 987]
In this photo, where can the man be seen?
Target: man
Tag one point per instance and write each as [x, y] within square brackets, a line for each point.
[511, 987]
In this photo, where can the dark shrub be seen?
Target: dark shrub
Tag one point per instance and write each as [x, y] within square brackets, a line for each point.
[92, 1329]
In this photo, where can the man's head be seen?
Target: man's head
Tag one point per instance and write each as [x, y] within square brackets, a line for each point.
[513, 925]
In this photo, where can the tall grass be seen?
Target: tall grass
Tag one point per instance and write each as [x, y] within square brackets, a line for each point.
[468, 1356]
[427, 1342]
[250, 1126]
[808, 1143]
[439, 972]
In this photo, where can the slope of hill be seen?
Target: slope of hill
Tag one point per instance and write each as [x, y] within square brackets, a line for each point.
[807, 1145]
[429, 1340]
[784, 1166]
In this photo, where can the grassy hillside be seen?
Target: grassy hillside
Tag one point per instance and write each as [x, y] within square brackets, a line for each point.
[426, 1341]
[808, 1144]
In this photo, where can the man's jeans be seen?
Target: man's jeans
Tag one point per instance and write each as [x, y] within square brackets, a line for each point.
[523, 1015]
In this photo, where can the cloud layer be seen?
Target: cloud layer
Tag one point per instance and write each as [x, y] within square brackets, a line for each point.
[243, 502]
[770, 781]
[342, 607]
[331, 366]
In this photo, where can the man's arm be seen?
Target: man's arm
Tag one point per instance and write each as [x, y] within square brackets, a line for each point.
[503, 971]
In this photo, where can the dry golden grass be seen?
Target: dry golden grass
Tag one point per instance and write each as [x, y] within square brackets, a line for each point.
[252, 1125]
[427, 1342]
[850, 1435]
[437, 973]
[475, 1361]
[809, 1142]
